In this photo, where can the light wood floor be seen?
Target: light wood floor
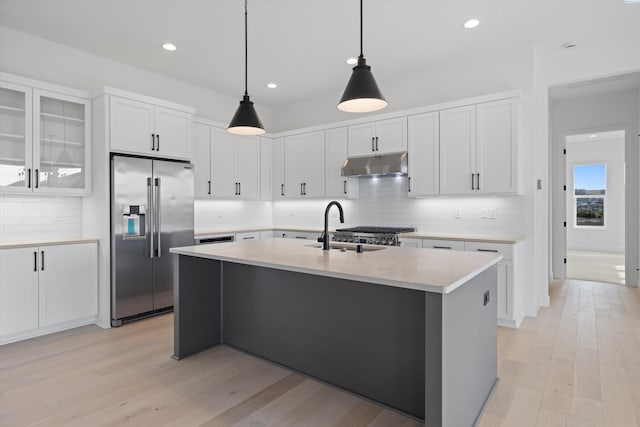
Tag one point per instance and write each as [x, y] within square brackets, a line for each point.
[596, 266]
[576, 364]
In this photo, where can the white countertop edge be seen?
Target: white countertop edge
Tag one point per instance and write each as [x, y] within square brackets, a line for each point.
[32, 243]
[366, 279]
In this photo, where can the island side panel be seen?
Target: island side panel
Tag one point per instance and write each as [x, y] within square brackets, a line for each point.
[366, 338]
[197, 305]
[433, 359]
[470, 349]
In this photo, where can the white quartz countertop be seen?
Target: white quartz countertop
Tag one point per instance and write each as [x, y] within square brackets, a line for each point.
[428, 270]
[53, 242]
[233, 230]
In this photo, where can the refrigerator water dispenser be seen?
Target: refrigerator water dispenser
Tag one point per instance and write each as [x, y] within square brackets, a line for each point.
[133, 221]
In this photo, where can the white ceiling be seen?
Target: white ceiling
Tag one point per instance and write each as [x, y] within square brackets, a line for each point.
[302, 44]
[600, 136]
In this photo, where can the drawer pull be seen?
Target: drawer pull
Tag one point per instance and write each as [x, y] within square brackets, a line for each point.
[487, 250]
[442, 247]
[301, 237]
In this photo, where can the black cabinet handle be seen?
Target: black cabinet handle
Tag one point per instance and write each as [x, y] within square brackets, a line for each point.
[442, 247]
[153, 142]
[37, 179]
[372, 142]
[409, 184]
[376, 143]
[473, 183]
[209, 184]
[35, 260]
[282, 189]
[487, 250]
[304, 185]
[42, 260]
[29, 178]
[344, 186]
[478, 181]
[239, 189]
[301, 193]
[158, 142]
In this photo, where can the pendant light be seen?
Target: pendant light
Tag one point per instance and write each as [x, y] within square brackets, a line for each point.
[362, 94]
[246, 121]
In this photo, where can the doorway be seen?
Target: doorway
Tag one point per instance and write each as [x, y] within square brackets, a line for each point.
[595, 206]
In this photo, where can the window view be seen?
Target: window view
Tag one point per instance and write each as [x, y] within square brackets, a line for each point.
[589, 183]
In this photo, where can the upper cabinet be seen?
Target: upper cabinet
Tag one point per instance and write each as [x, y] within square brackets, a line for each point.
[381, 137]
[278, 190]
[479, 149]
[424, 155]
[336, 152]
[265, 169]
[226, 166]
[143, 128]
[304, 165]
[45, 140]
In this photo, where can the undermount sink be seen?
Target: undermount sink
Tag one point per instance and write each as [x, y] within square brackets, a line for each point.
[344, 248]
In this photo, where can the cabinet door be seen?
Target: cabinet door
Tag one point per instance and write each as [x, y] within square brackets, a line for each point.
[16, 171]
[18, 290]
[497, 147]
[391, 135]
[337, 185]
[247, 166]
[293, 166]
[68, 283]
[424, 155]
[223, 183]
[362, 139]
[201, 149]
[313, 164]
[62, 143]
[173, 133]
[457, 150]
[265, 169]
[132, 126]
[278, 190]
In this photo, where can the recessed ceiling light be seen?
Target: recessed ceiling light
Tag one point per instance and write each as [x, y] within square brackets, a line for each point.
[471, 23]
[272, 85]
[169, 46]
[593, 136]
[352, 61]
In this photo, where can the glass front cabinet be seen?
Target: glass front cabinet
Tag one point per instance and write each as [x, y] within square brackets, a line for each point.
[44, 141]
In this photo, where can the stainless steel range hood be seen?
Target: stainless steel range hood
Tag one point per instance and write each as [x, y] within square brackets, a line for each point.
[381, 165]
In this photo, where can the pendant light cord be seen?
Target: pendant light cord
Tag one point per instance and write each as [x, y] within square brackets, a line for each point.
[246, 50]
[361, 54]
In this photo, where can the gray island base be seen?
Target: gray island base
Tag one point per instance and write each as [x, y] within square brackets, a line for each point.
[431, 355]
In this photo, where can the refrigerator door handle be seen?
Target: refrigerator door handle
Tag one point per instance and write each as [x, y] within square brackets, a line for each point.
[151, 215]
[158, 219]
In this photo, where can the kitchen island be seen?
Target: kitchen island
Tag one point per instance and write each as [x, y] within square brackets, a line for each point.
[413, 329]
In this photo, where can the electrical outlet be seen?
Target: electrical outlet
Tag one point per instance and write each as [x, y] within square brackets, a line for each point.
[484, 213]
[492, 213]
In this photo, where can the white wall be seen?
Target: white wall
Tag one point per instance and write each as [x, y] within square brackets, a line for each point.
[606, 112]
[609, 238]
[384, 202]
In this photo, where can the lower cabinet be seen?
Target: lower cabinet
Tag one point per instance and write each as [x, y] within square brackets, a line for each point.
[288, 234]
[47, 288]
[249, 235]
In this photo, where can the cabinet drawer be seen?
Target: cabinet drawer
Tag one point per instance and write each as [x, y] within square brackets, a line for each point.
[252, 235]
[456, 245]
[504, 249]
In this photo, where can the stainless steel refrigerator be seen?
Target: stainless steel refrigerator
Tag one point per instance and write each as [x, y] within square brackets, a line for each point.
[151, 211]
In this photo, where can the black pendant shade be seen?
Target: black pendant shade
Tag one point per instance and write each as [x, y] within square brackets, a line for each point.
[362, 94]
[245, 121]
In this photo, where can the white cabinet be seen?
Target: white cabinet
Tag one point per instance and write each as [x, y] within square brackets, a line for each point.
[68, 283]
[455, 245]
[336, 185]
[142, 128]
[304, 165]
[226, 166]
[478, 149]
[410, 242]
[47, 288]
[510, 311]
[300, 235]
[45, 141]
[18, 290]
[381, 137]
[266, 185]
[424, 155]
[278, 189]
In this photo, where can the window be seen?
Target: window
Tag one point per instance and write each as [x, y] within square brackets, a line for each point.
[590, 186]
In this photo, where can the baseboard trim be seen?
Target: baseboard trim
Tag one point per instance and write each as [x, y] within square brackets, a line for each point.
[47, 330]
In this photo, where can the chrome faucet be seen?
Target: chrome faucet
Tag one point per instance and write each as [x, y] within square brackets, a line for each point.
[325, 236]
